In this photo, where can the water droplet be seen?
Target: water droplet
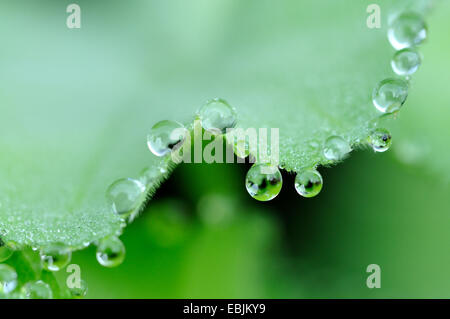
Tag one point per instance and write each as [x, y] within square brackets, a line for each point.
[380, 139]
[163, 170]
[79, 292]
[336, 148]
[55, 257]
[5, 252]
[166, 136]
[263, 182]
[406, 62]
[217, 116]
[36, 290]
[308, 183]
[125, 195]
[110, 252]
[389, 95]
[241, 148]
[8, 279]
[149, 175]
[407, 30]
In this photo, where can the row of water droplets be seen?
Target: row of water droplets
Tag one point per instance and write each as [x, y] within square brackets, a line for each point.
[263, 181]
[406, 32]
[53, 258]
[127, 194]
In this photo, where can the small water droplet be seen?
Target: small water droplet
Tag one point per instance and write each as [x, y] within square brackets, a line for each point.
[125, 195]
[149, 175]
[79, 292]
[407, 30]
[336, 148]
[55, 257]
[263, 182]
[406, 62]
[308, 183]
[380, 139]
[8, 279]
[389, 95]
[163, 170]
[110, 252]
[5, 252]
[36, 290]
[241, 148]
[217, 116]
[166, 136]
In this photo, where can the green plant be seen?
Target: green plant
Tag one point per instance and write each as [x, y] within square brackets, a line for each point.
[61, 161]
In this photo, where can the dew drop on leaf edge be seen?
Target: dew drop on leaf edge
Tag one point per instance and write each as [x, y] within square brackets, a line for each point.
[241, 148]
[407, 30]
[166, 136]
[79, 292]
[263, 182]
[308, 183]
[110, 252]
[55, 257]
[125, 195]
[380, 139]
[149, 175]
[405, 62]
[217, 116]
[389, 95]
[336, 148]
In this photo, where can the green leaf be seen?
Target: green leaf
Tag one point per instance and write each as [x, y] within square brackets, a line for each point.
[420, 136]
[77, 104]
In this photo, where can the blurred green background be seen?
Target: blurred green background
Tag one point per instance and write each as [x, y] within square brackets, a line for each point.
[202, 236]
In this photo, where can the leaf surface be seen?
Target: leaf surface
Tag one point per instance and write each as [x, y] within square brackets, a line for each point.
[77, 103]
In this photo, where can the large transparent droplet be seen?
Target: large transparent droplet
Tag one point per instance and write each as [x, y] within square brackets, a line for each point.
[110, 252]
[389, 95]
[5, 252]
[8, 279]
[263, 181]
[405, 62]
[166, 136]
[308, 183]
[336, 148]
[36, 290]
[79, 292]
[380, 139]
[217, 116]
[407, 30]
[55, 257]
[125, 195]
